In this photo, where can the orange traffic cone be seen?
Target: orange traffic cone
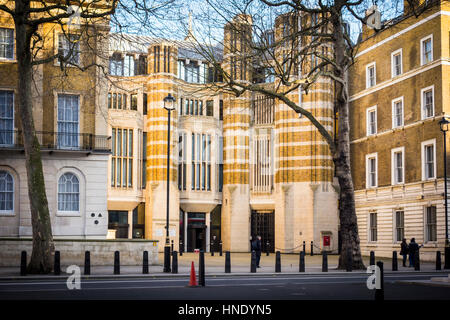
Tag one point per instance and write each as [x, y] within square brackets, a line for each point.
[193, 280]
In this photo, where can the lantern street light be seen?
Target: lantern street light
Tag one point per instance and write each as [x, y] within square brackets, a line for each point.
[444, 126]
[169, 105]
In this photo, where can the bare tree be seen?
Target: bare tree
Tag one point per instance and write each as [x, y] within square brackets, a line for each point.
[29, 18]
[317, 46]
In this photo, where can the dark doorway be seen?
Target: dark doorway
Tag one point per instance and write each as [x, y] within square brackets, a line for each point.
[263, 224]
[215, 235]
[196, 231]
[118, 220]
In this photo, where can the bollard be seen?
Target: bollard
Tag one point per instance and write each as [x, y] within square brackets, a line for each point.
[253, 262]
[379, 293]
[267, 248]
[212, 248]
[87, 262]
[394, 261]
[23, 263]
[174, 262]
[227, 262]
[349, 262]
[278, 261]
[181, 248]
[116, 262]
[201, 269]
[171, 246]
[220, 248]
[145, 262]
[312, 249]
[57, 264]
[302, 262]
[324, 262]
[417, 261]
[304, 246]
[438, 260]
[372, 258]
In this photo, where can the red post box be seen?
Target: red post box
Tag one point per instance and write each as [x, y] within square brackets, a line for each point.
[326, 241]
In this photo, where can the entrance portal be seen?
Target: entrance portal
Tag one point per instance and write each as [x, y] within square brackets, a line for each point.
[263, 224]
[196, 232]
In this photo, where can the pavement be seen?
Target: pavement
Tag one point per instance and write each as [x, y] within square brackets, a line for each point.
[215, 266]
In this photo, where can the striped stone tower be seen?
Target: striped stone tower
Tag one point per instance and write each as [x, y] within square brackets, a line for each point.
[306, 202]
[162, 64]
[236, 123]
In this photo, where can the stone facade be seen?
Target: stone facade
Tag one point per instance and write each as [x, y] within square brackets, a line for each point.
[404, 192]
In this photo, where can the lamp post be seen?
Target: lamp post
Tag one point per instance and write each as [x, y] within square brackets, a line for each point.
[444, 126]
[169, 105]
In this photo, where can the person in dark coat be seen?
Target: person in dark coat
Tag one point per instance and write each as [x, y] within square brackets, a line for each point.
[404, 251]
[413, 250]
[256, 246]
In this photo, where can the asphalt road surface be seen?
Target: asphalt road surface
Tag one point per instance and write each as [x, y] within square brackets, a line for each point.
[344, 286]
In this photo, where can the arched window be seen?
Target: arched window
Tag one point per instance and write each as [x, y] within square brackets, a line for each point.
[6, 191]
[68, 193]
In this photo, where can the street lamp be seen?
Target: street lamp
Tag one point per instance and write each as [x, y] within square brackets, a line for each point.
[444, 126]
[169, 105]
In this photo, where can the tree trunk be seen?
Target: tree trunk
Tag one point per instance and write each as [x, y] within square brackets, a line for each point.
[341, 157]
[43, 248]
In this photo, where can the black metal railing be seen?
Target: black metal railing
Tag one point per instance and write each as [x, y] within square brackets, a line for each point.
[58, 141]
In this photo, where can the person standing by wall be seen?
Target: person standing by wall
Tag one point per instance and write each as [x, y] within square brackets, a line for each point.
[404, 251]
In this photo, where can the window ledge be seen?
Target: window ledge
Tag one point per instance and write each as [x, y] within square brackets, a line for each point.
[68, 214]
[7, 214]
[8, 60]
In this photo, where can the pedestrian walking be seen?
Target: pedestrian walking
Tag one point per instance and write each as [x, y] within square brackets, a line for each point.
[404, 251]
[256, 246]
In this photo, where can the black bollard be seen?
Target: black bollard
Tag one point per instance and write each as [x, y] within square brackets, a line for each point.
[278, 261]
[324, 261]
[87, 262]
[201, 269]
[394, 261]
[227, 262]
[417, 261]
[312, 248]
[267, 248]
[174, 262]
[23, 263]
[171, 246]
[253, 262]
[212, 248]
[438, 260]
[372, 258]
[116, 262]
[379, 293]
[349, 262]
[57, 264]
[302, 262]
[181, 248]
[145, 262]
[304, 246]
[220, 248]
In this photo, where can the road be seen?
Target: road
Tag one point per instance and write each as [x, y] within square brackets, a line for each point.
[345, 286]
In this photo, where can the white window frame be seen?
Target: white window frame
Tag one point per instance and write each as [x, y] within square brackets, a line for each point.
[425, 224]
[10, 212]
[393, 168]
[368, 157]
[422, 102]
[369, 227]
[59, 133]
[369, 110]
[394, 124]
[423, 145]
[13, 118]
[368, 66]
[422, 57]
[393, 54]
[13, 44]
[68, 63]
[394, 223]
[80, 181]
